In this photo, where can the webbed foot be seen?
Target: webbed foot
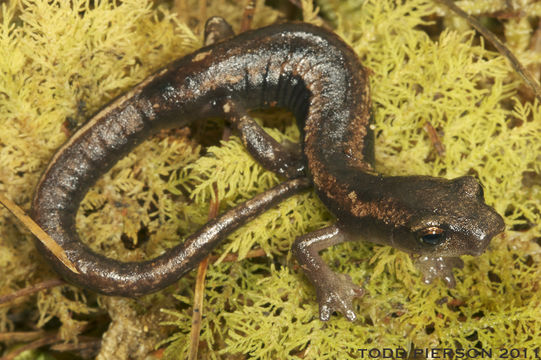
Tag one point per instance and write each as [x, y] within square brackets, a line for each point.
[442, 267]
[337, 294]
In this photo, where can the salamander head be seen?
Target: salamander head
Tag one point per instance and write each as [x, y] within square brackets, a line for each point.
[447, 217]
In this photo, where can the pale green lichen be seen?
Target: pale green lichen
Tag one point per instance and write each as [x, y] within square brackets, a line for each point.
[65, 59]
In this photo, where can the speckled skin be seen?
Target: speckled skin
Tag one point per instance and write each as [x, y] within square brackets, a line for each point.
[313, 73]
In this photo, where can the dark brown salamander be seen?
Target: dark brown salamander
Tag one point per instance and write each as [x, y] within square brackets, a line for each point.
[312, 72]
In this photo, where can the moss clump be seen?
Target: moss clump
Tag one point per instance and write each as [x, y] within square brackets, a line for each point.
[65, 59]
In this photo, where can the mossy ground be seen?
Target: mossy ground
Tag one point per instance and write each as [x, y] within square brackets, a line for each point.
[60, 61]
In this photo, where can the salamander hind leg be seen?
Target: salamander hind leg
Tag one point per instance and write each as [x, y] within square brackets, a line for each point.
[335, 292]
[216, 30]
[281, 159]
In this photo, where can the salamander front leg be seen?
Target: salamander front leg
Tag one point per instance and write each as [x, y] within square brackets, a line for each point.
[335, 292]
[264, 149]
[442, 267]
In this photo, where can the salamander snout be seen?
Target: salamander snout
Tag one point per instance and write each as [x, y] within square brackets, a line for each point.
[449, 217]
[492, 224]
[483, 221]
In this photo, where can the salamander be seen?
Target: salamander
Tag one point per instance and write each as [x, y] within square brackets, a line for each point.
[318, 77]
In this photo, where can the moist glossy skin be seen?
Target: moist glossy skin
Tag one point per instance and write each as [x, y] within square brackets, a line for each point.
[313, 73]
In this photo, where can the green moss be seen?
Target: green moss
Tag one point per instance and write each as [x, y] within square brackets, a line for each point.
[64, 60]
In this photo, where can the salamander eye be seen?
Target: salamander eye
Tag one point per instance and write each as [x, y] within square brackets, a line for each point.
[432, 235]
